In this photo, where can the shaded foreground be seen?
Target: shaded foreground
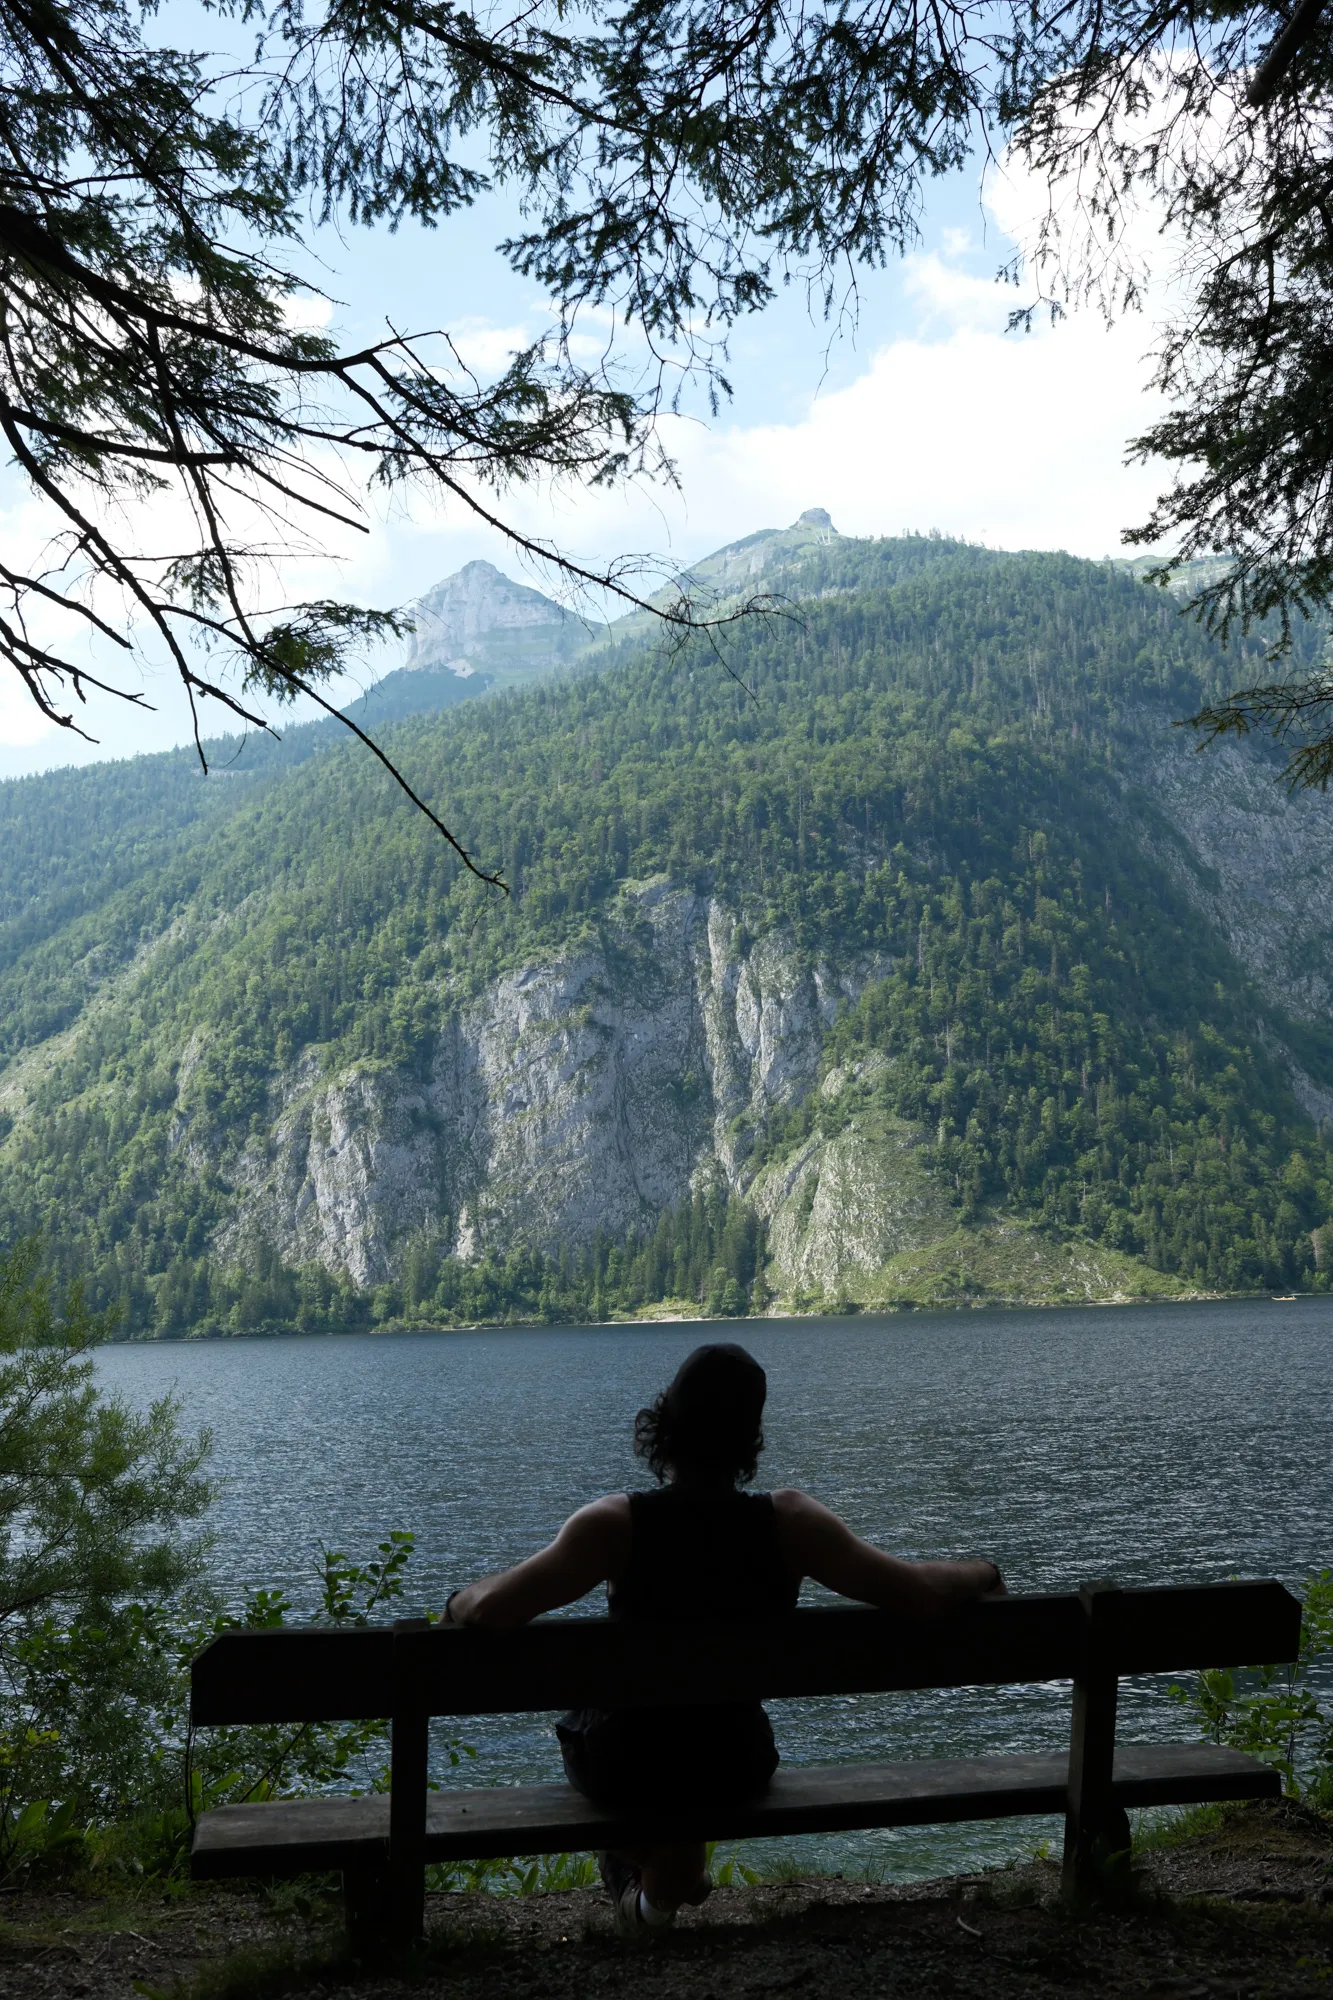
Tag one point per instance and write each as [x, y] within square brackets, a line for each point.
[1244, 1910]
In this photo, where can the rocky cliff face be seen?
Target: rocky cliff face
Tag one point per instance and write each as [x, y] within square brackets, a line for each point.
[1256, 859]
[479, 621]
[588, 1093]
[593, 1090]
[839, 1209]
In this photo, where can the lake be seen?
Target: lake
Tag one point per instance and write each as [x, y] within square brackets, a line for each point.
[1145, 1444]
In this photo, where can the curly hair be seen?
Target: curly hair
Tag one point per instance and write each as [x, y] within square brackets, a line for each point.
[707, 1423]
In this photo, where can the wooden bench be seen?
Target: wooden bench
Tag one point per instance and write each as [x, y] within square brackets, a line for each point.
[413, 1670]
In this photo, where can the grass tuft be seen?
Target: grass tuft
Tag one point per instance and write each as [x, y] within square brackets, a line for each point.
[264, 1972]
[1171, 1826]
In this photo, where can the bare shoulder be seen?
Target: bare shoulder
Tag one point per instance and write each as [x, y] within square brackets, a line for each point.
[791, 1505]
[601, 1528]
[609, 1515]
[807, 1529]
[602, 1534]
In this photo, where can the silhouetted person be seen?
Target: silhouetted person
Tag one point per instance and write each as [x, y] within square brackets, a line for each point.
[697, 1547]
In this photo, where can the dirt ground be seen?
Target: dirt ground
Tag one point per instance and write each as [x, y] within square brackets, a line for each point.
[1243, 1911]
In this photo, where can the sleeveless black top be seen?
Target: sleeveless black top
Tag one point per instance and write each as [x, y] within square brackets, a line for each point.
[694, 1553]
[703, 1552]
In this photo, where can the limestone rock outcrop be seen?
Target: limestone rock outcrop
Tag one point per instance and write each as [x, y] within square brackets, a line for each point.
[589, 1093]
[479, 621]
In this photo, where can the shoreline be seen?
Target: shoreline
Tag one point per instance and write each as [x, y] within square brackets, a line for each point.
[399, 1327]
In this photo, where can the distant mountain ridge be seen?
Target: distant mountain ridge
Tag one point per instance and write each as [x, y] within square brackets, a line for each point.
[736, 569]
[484, 628]
[68, 835]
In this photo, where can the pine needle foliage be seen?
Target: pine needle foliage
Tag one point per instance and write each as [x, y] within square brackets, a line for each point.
[99, 1513]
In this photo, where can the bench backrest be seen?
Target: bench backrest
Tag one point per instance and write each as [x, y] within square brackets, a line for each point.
[321, 1675]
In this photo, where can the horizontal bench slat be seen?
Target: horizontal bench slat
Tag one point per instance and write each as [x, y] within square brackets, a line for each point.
[290, 1837]
[1167, 1628]
[298, 1676]
[302, 1675]
[295, 1836]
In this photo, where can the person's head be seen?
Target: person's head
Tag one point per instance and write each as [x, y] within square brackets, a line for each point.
[706, 1425]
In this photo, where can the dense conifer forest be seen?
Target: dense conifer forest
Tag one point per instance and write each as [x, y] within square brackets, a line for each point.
[929, 757]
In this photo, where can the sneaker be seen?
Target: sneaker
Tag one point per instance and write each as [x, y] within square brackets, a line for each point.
[620, 1879]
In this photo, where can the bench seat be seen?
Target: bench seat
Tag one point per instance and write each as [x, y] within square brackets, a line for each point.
[296, 1836]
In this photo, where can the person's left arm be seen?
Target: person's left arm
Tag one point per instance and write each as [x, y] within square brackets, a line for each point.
[592, 1547]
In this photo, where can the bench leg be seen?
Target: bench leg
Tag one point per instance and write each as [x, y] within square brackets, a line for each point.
[368, 1910]
[383, 1909]
[1097, 1836]
[408, 1905]
[408, 1762]
[1096, 1859]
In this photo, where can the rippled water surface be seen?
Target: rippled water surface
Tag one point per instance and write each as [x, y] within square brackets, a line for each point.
[1167, 1443]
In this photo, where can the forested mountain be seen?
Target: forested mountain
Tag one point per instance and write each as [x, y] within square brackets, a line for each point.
[916, 958]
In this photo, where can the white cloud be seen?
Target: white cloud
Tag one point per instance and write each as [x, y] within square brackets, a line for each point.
[1017, 440]
[307, 312]
[488, 350]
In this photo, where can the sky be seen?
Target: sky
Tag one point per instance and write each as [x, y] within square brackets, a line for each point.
[926, 413]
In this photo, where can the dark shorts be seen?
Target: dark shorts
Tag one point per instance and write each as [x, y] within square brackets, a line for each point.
[668, 1756]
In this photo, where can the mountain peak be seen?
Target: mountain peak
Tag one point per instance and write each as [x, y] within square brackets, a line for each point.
[479, 621]
[815, 517]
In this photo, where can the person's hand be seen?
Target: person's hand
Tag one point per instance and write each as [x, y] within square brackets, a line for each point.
[997, 1588]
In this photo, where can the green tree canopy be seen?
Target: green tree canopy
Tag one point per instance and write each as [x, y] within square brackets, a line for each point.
[92, 1497]
[97, 1513]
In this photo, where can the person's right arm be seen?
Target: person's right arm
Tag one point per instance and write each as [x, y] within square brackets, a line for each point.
[591, 1548]
[816, 1543]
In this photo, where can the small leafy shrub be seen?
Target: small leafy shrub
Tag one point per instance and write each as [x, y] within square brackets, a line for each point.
[516, 1874]
[230, 1766]
[1276, 1713]
[103, 1605]
[731, 1872]
[41, 1834]
[149, 1836]
[99, 1553]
